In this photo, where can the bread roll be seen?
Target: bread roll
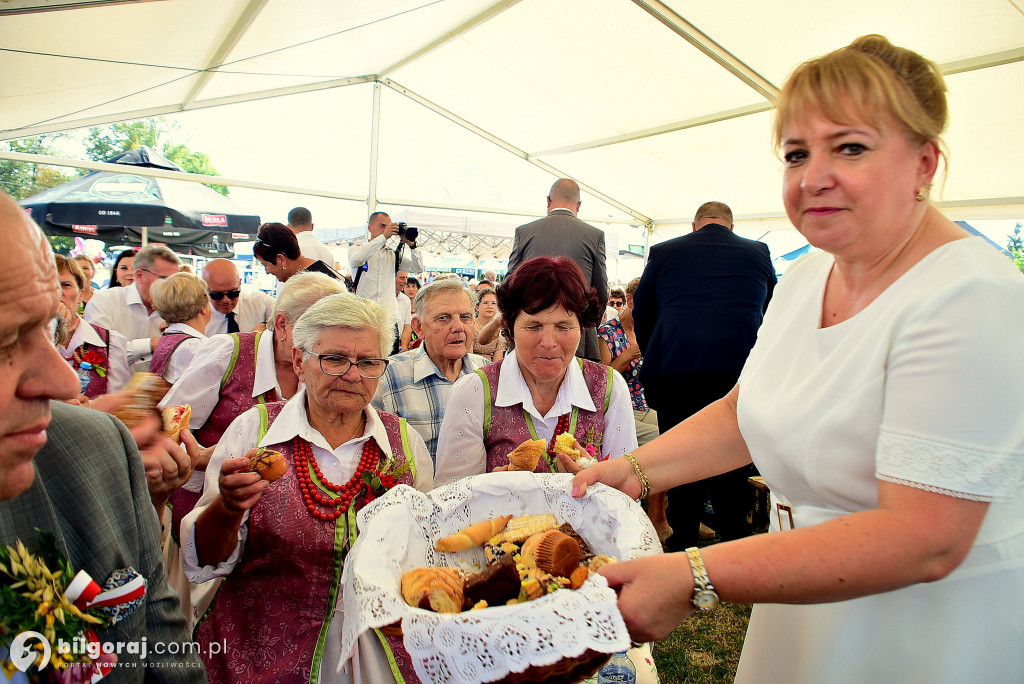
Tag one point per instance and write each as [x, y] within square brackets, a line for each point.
[474, 535]
[526, 456]
[176, 419]
[145, 390]
[268, 463]
[436, 589]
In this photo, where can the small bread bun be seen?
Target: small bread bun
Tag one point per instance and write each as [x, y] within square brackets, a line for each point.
[268, 463]
[176, 419]
[436, 589]
[145, 390]
[526, 456]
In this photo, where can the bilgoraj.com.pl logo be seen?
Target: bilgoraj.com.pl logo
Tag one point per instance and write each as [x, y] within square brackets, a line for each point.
[32, 648]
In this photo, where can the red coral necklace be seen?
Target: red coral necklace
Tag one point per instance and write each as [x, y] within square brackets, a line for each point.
[311, 494]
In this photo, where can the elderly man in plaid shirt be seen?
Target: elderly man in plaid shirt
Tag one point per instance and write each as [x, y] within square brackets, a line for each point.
[417, 383]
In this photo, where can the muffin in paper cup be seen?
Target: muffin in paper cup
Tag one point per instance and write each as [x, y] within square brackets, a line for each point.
[546, 639]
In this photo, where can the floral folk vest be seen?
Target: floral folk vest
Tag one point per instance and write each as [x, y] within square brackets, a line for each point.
[289, 576]
[506, 427]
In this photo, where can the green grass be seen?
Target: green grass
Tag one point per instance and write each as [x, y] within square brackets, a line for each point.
[705, 648]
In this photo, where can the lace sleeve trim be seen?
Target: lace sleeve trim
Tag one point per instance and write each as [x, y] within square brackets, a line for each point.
[953, 468]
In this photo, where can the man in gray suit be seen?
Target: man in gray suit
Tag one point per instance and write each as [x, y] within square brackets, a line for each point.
[561, 234]
[76, 473]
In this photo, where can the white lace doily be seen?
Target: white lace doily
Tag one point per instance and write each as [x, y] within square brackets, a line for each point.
[397, 533]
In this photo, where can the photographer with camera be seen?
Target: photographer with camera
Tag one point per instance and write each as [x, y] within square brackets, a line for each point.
[375, 265]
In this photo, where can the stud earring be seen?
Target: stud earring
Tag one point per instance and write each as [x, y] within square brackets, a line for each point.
[923, 192]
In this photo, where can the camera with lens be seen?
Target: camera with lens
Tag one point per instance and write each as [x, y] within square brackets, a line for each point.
[407, 231]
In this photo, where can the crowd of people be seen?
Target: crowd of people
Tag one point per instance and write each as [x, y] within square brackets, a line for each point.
[873, 389]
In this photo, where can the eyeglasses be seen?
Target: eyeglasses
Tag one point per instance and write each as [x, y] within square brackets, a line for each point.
[617, 305]
[337, 365]
[161, 277]
[230, 294]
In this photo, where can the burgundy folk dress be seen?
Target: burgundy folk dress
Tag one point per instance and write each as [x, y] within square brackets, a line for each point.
[273, 612]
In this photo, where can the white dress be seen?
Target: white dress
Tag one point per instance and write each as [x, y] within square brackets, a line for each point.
[924, 387]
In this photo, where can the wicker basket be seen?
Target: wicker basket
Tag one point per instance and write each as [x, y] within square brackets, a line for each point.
[565, 671]
[399, 532]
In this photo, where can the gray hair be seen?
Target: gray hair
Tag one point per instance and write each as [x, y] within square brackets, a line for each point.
[149, 253]
[344, 311]
[180, 297]
[302, 291]
[438, 288]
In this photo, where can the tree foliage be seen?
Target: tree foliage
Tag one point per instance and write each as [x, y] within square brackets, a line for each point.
[24, 179]
[104, 142]
[1015, 245]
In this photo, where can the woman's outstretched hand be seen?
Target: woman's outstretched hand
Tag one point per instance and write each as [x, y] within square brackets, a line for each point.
[615, 472]
[654, 593]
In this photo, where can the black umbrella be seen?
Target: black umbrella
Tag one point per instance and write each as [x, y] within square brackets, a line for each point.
[116, 207]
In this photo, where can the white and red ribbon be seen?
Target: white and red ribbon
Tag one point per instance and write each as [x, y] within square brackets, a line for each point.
[84, 593]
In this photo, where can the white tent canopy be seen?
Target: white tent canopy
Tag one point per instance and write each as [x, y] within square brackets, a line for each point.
[477, 105]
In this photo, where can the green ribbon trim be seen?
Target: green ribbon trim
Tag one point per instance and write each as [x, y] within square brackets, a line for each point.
[608, 390]
[234, 359]
[332, 597]
[487, 401]
[403, 428]
[399, 679]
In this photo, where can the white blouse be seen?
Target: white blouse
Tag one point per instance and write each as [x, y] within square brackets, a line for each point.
[184, 353]
[199, 386]
[460, 445]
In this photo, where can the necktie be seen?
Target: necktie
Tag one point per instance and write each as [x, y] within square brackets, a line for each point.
[232, 323]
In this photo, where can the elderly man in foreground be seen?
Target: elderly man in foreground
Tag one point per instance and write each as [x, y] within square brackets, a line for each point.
[417, 383]
[93, 500]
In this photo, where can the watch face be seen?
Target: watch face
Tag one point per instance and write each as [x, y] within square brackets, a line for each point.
[705, 599]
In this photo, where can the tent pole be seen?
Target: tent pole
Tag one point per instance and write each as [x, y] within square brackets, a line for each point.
[371, 197]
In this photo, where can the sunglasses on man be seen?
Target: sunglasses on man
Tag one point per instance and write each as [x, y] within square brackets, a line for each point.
[230, 294]
[615, 303]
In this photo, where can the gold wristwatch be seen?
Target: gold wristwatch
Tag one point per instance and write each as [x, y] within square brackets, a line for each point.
[704, 595]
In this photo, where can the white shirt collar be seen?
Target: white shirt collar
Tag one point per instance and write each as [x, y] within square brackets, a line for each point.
[266, 372]
[568, 211]
[132, 296]
[293, 421]
[84, 333]
[184, 328]
[512, 389]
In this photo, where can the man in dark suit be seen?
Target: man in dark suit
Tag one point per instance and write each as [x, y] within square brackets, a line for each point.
[76, 473]
[561, 234]
[696, 312]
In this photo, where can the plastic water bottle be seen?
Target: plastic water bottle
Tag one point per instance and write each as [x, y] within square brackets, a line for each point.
[618, 669]
[84, 376]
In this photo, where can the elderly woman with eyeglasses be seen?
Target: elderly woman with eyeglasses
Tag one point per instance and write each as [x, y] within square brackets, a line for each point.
[232, 373]
[281, 545]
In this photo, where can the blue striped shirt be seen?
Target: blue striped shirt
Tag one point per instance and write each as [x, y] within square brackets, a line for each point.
[413, 388]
